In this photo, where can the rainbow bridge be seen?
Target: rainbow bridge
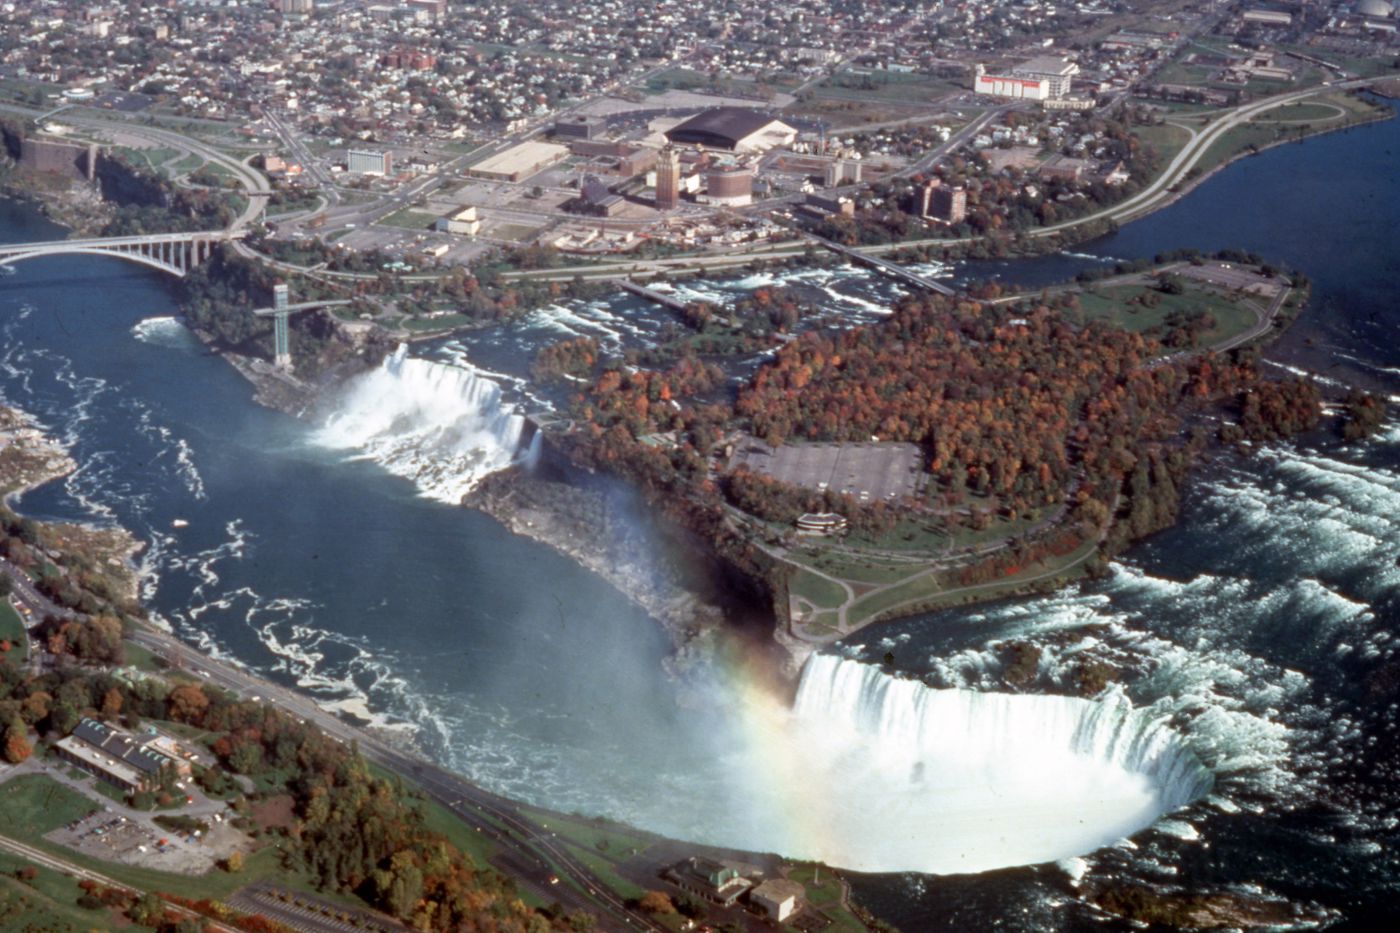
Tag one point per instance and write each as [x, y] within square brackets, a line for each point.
[175, 253]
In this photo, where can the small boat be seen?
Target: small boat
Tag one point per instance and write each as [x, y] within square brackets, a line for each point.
[179, 523]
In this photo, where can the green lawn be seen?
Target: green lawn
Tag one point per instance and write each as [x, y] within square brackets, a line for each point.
[892, 87]
[34, 804]
[824, 893]
[517, 233]
[438, 818]
[681, 78]
[1111, 304]
[410, 219]
[931, 592]
[12, 630]
[856, 569]
[1301, 112]
[925, 535]
[1166, 140]
[816, 590]
[141, 659]
[606, 871]
[446, 322]
[46, 902]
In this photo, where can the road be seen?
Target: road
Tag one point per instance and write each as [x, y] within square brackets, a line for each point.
[254, 183]
[1161, 190]
[23, 592]
[40, 857]
[530, 851]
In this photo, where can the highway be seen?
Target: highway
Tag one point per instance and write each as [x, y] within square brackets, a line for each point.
[254, 183]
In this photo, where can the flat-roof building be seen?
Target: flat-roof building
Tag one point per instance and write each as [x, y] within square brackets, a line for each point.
[575, 128]
[364, 162]
[779, 898]
[941, 202]
[519, 162]
[734, 129]
[464, 222]
[1045, 77]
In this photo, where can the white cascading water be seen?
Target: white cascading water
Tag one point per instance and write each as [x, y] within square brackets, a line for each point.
[897, 776]
[443, 426]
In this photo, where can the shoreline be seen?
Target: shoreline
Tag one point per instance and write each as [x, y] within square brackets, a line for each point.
[682, 612]
[574, 521]
[39, 459]
[1183, 190]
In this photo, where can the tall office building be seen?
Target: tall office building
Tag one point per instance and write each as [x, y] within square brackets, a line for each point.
[668, 179]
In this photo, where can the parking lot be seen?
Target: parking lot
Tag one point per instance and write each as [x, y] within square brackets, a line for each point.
[306, 913]
[1226, 275]
[111, 836]
[869, 472]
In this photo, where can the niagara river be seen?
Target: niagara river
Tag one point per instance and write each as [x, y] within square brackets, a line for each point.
[1245, 742]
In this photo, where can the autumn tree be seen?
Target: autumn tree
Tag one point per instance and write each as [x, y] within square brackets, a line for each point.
[17, 746]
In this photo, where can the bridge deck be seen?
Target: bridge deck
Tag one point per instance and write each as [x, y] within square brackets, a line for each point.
[300, 306]
[893, 269]
[114, 242]
[666, 301]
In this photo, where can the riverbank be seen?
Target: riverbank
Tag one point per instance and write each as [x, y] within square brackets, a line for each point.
[1382, 114]
[75, 205]
[29, 458]
[587, 526]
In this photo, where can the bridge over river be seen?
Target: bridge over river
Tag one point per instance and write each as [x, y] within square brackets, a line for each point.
[173, 253]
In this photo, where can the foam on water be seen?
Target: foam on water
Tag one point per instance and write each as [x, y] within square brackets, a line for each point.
[443, 426]
[165, 331]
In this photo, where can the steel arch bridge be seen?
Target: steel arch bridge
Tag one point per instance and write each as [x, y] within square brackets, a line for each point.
[173, 253]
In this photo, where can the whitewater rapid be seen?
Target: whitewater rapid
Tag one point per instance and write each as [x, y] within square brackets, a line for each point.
[442, 425]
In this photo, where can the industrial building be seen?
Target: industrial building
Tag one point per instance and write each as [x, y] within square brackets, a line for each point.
[575, 128]
[597, 199]
[519, 162]
[71, 161]
[734, 129]
[729, 185]
[465, 222]
[365, 162]
[842, 172]
[114, 757]
[1046, 77]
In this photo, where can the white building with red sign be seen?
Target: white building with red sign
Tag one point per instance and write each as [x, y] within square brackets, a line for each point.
[1044, 78]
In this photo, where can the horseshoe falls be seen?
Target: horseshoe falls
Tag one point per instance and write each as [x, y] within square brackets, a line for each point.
[887, 774]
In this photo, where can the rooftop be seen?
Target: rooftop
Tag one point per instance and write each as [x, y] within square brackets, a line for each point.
[730, 124]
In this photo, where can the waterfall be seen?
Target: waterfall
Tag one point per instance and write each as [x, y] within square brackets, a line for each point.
[444, 426]
[896, 776]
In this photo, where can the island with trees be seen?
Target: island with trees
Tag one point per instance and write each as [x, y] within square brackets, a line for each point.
[966, 447]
